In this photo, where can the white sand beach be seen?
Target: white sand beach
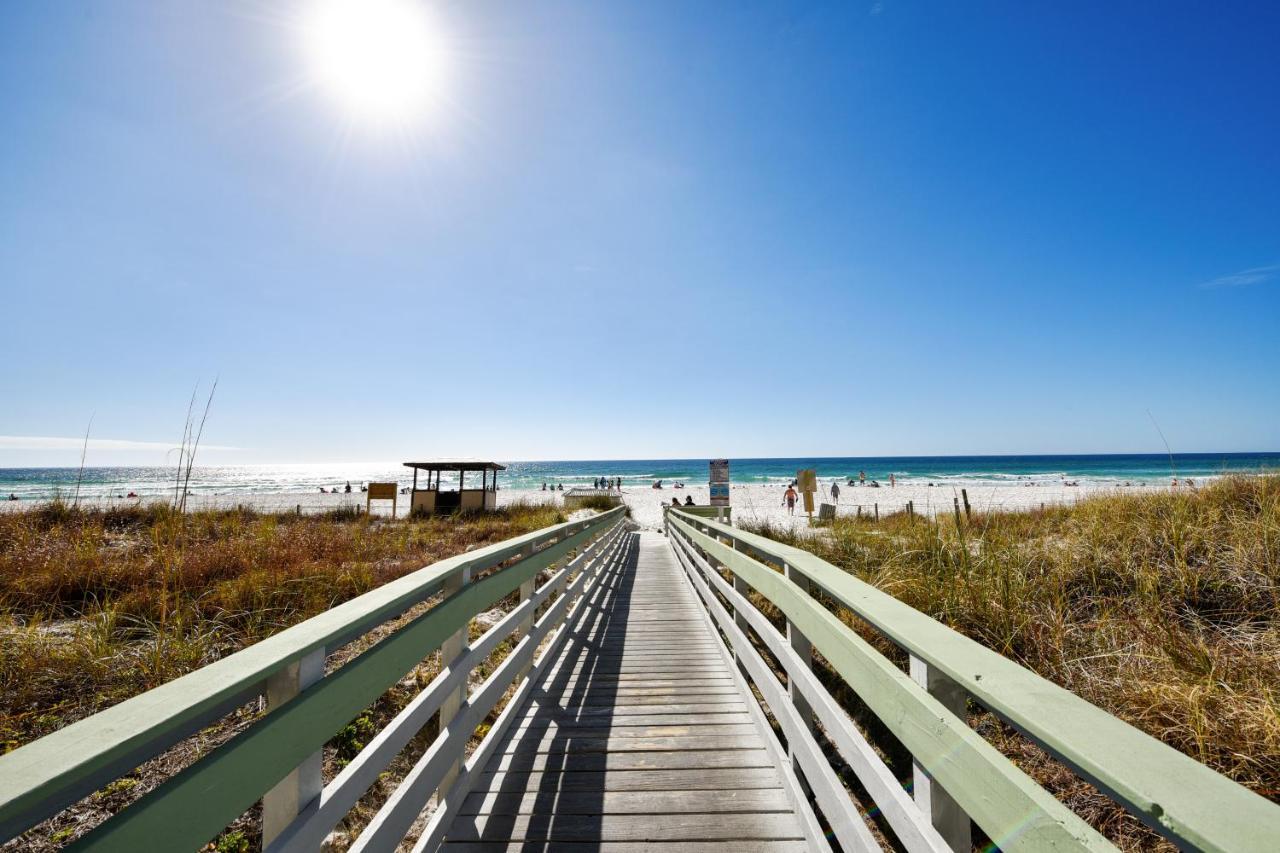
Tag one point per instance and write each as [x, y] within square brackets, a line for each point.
[758, 503]
[750, 502]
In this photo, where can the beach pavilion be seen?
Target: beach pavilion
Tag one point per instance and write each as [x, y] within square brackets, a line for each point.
[433, 498]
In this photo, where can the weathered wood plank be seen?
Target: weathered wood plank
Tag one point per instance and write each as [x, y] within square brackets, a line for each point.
[693, 728]
[611, 761]
[643, 683]
[703, 779]
[626, 827]
[630, 847]
[554, 742]
[658, 718]
[608, 700]
[627, 710]
[534, 801]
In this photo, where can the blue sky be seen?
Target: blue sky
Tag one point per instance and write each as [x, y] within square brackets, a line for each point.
[651, 229]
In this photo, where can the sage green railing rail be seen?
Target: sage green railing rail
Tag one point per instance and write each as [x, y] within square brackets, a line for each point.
[958, 776]
[278, 758]
[715, 513]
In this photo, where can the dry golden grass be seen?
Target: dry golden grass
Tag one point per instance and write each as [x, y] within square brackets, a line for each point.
[1163, 609]
[100, 605]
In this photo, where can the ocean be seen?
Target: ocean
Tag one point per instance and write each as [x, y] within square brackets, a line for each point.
[46, 483]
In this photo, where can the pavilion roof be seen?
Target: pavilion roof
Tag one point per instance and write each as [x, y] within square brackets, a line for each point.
[456, 465]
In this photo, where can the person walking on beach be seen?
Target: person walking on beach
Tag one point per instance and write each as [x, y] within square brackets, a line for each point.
[835, 493]
[789, 498]
[893, 481]
[862, 478]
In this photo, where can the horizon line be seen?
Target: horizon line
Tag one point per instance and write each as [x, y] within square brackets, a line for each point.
[1002, 455]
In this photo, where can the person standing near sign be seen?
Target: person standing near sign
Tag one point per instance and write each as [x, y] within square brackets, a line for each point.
[790, 500]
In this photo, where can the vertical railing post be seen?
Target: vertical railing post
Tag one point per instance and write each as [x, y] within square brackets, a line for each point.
[294, 792]
[804, 650]
[522, 629]
[743, 589]
[450, 650]
[943, 812]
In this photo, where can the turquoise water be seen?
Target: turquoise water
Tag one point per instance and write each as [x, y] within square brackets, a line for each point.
[44, 483]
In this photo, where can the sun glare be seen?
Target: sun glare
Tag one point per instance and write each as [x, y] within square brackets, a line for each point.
[381, 60]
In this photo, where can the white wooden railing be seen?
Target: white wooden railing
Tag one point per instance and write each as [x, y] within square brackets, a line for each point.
[958, 780]
[278, 758]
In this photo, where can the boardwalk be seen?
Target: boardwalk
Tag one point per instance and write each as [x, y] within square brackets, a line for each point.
[637, 739]
[627, 727]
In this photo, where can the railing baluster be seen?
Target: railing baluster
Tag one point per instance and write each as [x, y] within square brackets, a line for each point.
[522, 629]
[941, 808]
[742, 588]
[291, 794]
[804, 650]
[450, 650]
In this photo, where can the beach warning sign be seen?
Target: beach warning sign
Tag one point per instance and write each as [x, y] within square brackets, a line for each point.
[719, 482]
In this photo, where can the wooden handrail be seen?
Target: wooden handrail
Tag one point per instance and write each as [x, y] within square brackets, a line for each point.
[41, 778]
[1182, 799]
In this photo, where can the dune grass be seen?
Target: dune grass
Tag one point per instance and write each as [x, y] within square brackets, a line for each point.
[97, 605]
[1163, 609]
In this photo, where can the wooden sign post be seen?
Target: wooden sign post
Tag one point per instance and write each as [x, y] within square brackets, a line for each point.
[382, 492]
[807, 480]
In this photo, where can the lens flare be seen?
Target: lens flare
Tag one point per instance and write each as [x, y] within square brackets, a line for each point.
[381, 60]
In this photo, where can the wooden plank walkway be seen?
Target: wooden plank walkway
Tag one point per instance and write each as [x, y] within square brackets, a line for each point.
[637, 739]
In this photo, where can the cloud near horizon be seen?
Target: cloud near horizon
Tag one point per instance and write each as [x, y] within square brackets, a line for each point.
[49, 442]
[1244, 278]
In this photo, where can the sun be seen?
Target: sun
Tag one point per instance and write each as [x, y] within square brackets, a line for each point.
[382, 61]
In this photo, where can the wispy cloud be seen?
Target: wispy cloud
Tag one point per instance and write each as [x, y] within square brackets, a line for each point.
[1244, 278]
[50, 442]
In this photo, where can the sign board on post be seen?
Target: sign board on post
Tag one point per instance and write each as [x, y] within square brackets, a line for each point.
[381, 492]
[719, 482]
[807, 480]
